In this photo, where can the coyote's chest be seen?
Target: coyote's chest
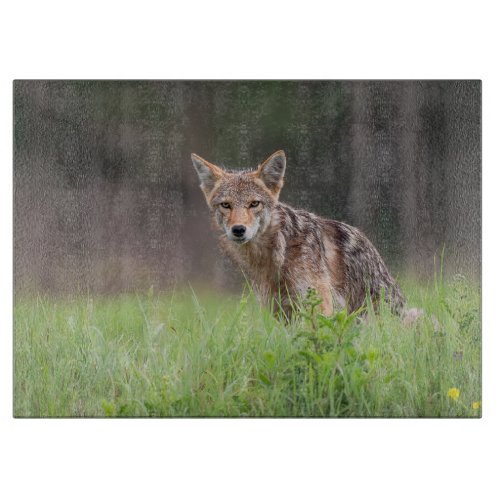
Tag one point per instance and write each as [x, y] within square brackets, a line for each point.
[261, 261]
[281, 269]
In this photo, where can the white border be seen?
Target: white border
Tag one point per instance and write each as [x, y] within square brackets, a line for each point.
[253, 458]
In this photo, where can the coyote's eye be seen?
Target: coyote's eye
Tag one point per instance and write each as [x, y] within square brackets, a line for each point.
[224, 204]
[255, 204]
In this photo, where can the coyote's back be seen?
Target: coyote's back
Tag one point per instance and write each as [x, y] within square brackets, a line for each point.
[286, 251]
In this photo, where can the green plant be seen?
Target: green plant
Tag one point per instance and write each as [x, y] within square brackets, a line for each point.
[199, 354]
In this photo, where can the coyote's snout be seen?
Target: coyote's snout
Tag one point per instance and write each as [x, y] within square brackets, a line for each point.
[286, 251]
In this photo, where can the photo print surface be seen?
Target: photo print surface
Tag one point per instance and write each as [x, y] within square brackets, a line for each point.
[247, 248]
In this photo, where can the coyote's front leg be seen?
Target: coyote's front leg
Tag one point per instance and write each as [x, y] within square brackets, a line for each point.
[326, 299]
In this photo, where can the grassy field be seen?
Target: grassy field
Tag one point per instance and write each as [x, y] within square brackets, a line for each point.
[194, 354]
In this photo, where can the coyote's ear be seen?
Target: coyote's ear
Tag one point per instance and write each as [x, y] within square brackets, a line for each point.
[209, 174]
[272, 171]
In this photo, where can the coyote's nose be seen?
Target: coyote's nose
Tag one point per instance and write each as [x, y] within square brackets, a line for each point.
[238, 231]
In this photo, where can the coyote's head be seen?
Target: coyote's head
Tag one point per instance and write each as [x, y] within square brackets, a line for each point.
[242, 202]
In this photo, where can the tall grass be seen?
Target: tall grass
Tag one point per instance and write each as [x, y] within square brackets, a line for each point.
[188, 354]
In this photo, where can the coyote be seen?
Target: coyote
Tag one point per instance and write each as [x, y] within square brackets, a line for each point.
[285, 251]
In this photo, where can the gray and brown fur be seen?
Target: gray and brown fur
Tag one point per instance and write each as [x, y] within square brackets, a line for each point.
[285, 251]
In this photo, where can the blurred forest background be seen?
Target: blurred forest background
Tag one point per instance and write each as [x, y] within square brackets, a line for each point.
[106, 199]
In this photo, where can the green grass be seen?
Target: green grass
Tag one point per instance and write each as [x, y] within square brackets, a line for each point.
[189, 354]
